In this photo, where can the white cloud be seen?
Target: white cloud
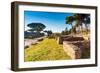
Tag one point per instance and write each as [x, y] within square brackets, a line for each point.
[26, 28]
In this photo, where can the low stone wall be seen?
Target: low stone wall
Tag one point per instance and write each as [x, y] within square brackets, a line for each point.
[76, 49]
[69, 38]
[73, 51]
[61, 39]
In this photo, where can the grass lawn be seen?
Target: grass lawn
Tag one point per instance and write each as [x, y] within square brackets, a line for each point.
[48, 49]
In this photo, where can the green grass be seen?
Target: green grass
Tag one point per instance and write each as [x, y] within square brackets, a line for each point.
[48, 49]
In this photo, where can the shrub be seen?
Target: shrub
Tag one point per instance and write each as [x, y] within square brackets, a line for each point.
[40, 39]
[26, 47]
[51, 36]
[28, 37]
[33, 43]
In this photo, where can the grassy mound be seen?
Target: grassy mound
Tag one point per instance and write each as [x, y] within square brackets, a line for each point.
[48, 49]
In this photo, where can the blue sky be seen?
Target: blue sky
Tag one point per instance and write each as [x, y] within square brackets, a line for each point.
[54, 21]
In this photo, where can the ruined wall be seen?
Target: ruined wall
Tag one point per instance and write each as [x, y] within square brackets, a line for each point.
[77, 49]
[73, 51]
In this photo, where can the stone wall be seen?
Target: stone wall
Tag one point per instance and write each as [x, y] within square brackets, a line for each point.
[68, 38]
[62, 38]
[76, 49]
[75, 46]
[73, 51]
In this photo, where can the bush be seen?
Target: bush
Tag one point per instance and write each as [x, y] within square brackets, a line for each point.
[51, 36]
[26, 47]
[56, 35]
[28, 37]
[33, 43]
[40, 39]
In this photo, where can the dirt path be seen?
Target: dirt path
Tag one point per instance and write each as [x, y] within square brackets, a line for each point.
[28, 42]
